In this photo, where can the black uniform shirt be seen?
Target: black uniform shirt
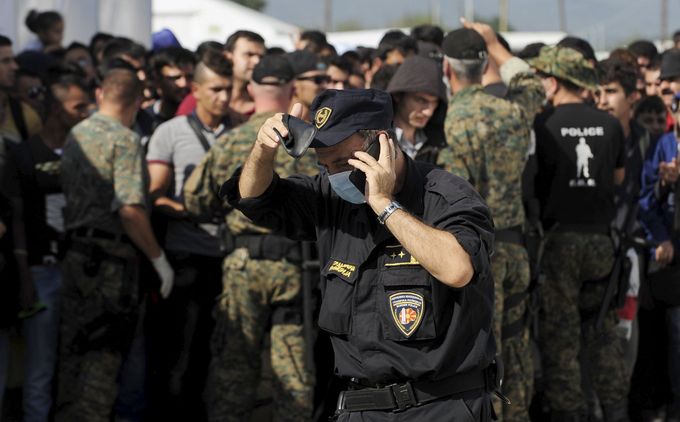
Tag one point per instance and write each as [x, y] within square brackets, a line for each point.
[577, 148]
[388, 318]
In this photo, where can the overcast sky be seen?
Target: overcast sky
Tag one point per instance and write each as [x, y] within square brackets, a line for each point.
[606, 23]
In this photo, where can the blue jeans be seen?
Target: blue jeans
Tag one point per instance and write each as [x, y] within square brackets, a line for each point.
[41, 333]
[673, 325]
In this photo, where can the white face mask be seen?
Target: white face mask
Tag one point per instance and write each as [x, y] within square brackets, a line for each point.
[345, 189]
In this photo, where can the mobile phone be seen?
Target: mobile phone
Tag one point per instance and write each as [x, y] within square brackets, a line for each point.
[358, 177]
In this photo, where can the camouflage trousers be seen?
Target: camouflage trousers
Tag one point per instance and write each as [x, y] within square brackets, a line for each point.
[100, 304]
[252, 289]
[573, 263]
[510, 270]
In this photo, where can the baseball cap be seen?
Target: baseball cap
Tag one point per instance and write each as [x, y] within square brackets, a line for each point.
[670, 64]
[304, 61]
[275, 68]
[464, 44]
[340, 114]
[568, 64]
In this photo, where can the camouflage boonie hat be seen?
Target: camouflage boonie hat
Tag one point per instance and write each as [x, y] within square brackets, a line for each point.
[568, 64]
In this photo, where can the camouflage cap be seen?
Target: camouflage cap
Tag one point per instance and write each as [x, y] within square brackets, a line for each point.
[568, 64]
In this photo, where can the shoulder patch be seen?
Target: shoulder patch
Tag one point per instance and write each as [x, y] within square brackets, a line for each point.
[342, 269]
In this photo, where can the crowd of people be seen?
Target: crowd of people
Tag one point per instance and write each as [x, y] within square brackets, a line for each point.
[140, 293]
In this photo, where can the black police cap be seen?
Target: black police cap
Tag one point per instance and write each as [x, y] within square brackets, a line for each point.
[340, 114]
[670, 65]
[273, 70]
[304, 61]
[464, 44]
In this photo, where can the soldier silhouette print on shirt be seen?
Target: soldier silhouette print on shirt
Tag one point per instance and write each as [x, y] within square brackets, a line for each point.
[583, 155]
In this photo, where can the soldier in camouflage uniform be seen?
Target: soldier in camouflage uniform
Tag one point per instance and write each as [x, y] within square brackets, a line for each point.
[261, 277]
[104, 181]
[580, 155]
[488, 141]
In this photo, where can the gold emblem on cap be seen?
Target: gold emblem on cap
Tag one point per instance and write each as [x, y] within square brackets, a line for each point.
[322, 116]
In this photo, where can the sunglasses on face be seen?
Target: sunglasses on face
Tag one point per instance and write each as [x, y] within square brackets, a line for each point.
[318, 79]
[36, 91]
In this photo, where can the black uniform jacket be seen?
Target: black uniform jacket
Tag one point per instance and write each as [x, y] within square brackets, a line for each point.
[389, 319]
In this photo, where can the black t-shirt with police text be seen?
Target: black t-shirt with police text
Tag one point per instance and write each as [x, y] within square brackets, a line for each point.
[578, 148]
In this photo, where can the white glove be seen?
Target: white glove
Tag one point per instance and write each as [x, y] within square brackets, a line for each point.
[165, 273]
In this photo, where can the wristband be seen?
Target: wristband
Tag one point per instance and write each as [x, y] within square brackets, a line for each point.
[389, 210]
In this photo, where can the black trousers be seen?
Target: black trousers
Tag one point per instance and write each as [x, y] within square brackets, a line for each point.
[450, 410]
[179, 330]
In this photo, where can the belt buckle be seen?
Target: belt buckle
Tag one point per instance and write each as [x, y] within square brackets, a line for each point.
[404, 397]
[341, 402]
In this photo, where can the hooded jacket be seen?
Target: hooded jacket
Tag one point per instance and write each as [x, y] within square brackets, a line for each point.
[420, 74]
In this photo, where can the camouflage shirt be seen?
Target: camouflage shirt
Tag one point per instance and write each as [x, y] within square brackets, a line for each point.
[230, 151]
[102, 169]
[488, 141]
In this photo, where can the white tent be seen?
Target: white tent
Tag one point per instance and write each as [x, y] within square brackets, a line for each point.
[130, 18]
[196, 21]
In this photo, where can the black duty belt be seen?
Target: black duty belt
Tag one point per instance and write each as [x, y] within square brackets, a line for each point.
[510, 235]
[401, 396]
[583, 228]
[271, 247]
[99, 234]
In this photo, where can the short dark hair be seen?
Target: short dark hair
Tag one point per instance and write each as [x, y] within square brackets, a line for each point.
[63, 81]
[109, 65]
[249, 35]
[217, 63]
[643, 48]
[676, 37]
[352, 56]
[205, 46]
[331, 48]
[40, 21]
[316, 40]
[580, 45]
[5, 42]
[428, 33]
[341, 63]
[617, 69]
[120, 46]
[123, 85]
[396, 40]
[170, 56]
[531, 50]
[383, 76]
[654, 63]
[653, 104]
[75, 45]
[275, 51]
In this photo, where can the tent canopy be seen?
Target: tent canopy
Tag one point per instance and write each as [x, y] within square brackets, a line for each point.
[201, 20]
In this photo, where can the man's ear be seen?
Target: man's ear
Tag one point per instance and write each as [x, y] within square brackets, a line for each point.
[249, 88]
[446, 68]
[194, 89]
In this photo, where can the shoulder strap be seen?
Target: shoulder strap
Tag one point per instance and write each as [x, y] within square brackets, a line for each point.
[196, 127]
[18, 116]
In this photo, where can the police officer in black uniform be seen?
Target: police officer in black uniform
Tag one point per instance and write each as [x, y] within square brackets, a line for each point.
[407, 295]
